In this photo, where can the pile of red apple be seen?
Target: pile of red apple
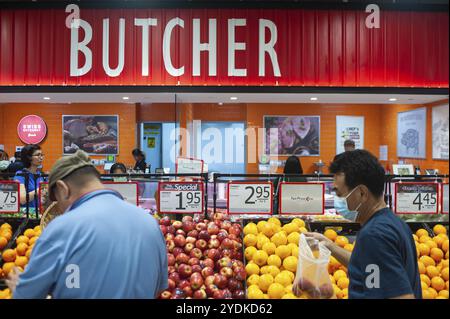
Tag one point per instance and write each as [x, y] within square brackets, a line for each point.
[204, 258]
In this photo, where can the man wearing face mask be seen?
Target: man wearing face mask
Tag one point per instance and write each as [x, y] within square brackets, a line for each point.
[101, 247]
[383, 263]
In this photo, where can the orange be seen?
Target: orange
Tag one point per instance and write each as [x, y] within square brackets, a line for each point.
[289, 295]
[260, 257]
[337, 290]
[261, 241]
[431, 243]
[251, 228]
[7, 234]
[439, 229]
[3, 242]
[424, 239]
[427, 261]
[425, 279]
[268, 229]
[290, 228]
[424, 285]
[269, 248]
[283, 251]
[426, 294]
[255, 294]
[445, 245]
[21, 261]
[275, 291]
[283, 279]
[252, 269]
[438, 240]
[339, 274]
[264, 270]
[5, 226]
[33, 240]
[274, 220]
[433, 292]
[22, 239]
[273, 271]
[443, 293]
[333, 281]
[294, 251]
[415, 237]
[37, 228]
[299, 222]
[444, 263]
[436, 254]
[341, 241]
[9, 255]
[421, 232]
[7, 267]
[249, 251]
[265, 281]
[250, 240]
[29, 233]
[28, 253]
[330, 234]
[422, 268]
[444, 273]
[290, 263]
[349, 247]
[253, 280]
[293, 238]
[274, 260]
[21, 249]
[437, 283]
[432, 271]
[303, 230]
[260, 225]
[424, 250]
[279, 239]
[288, 273]
[343, 282]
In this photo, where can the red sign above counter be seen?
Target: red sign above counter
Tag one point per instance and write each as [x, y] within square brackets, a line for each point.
[298, 47]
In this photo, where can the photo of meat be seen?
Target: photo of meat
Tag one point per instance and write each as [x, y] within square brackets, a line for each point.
[96, 135]
[292, 135]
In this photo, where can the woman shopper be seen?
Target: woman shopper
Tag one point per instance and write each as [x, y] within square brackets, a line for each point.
[139, 157]
[30, 176]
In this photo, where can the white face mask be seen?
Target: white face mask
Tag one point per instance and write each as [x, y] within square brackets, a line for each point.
[341, 206]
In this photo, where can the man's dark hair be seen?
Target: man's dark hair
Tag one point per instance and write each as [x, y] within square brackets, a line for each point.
[26, 155]
[83, 175]
[138, 152]
[360, 168]
[118, 166]
[349, 143]
[293, 166]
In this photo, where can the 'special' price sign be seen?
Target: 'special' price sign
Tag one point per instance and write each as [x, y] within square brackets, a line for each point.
[9, 197]
[302, 198]
[416, 198]
[250, 198]
[180, 198]
[445, 198]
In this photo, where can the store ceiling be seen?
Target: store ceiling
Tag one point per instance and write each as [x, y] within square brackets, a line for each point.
[218, 98]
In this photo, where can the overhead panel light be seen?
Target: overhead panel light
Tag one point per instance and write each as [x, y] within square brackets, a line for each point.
[313, 99]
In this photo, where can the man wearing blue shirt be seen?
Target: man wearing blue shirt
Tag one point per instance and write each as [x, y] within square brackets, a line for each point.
[101, 247]
[383, 263]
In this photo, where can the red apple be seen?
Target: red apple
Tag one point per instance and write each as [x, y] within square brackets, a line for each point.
[220, 281]
[226, 225]
[195, 252]
[213, 254]
[200, 226]
[238, 255]
[203, 234]
[188, 226]
[176, 251]
[211, 289]
[207, 271]
[208, 262]
[226, 243]
[239, 294]
[197, 268]
[218, 294]
[209, 280]
[193, 261]
[188, 248]
[184, 283]
[172, 284]
[171, 230]
[182, 258]
[196, 281]
[326, 291]
[200, 294]
[305, 285]
[170, 260]
[233, 284]
[193, 233]
[180, 232]
[171, 269]
[233, 237]
[190, 240]
[222, 235]
[227, 294]
[226, 272]
[213, 243]
[201, 244]
[165, 221]
[163, 229]
[169, 237]
[213, 229]
[188, 291]
[170, 245]
[228, 253]
[175, 277]
[235, 230]
[166, 295]
[240, 274]
[177, 224]
[225, 262]
[185, 270]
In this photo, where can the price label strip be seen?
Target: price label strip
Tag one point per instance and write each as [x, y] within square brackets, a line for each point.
[416, 198]
[128, 190]
[250, 198]
[302, 198]
[180, 198]
[9, 197]
[444, 204]
[189, 166]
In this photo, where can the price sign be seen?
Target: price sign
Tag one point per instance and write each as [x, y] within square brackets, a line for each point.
[9, 197]
[302, 198]
[250, 198]
[189, 166]
[180, 198]
[128, 190]
[444, 204]
[416, 198]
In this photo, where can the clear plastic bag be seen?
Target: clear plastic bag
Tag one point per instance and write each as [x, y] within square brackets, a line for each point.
[312, 275]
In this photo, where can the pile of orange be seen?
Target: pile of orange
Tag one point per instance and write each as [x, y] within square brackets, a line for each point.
[20, 255]
[5, 235]
[338, 273]
[5, 294]
[271, 251]
[432, 252]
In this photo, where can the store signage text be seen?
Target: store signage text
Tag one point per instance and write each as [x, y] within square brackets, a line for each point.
[267, 38]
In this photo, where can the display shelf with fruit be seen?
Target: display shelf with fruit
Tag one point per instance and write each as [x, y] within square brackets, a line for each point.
[8, 231]
[205, 258]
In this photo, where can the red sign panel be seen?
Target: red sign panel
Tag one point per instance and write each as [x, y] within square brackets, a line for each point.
[232, 47]
[32, 129]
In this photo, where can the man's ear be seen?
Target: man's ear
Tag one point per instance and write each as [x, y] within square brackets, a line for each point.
[364, 193]
[63, 188]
